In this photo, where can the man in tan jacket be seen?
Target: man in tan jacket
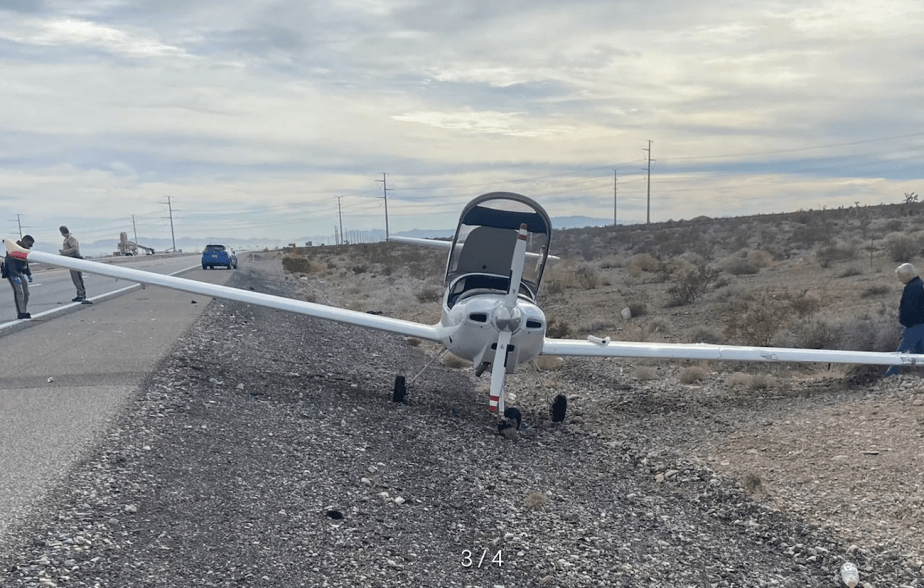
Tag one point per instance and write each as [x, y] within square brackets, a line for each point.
[72, 249]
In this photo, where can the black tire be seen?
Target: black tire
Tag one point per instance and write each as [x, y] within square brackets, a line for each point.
[399, 394]
[559, 408]
[513, 414]
[204, 266]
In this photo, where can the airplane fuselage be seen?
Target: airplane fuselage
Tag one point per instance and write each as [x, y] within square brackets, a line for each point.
[473, 325]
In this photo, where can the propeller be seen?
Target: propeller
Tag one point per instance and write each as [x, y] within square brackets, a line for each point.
[507, 320]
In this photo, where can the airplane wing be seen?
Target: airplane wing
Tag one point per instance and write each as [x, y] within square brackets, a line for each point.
[596, 347]
[434, 243]
[447, 245]
[362, 319]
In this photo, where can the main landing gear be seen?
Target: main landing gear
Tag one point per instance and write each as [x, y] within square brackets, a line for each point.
[399, 394]
[513, 418]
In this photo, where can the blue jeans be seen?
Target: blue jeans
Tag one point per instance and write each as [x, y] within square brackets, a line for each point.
[912, 341]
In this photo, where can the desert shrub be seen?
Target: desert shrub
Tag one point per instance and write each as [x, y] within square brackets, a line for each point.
[659, 324]
[762, 382]
[359, 269]
[870, 333]
[691, 285]
[901, 248]
[296, 264]
[803, 304]
[558, 329]
[453, 361]
[599, 327]
[757, 318]
[642, 332]
[740, 267]
[894, 225]
[429, 294]
[642, 262]
[554, 285]
[638, 308]
[760, 258]
[819, 334]
[828, 254]
[610, 262]
[875, 290]
[703, 334]
[587, 277]
[588, 247]
[730, 291]
[692, 374]
[752, 484]
[740, 379]
[849, 272]
[549, 363]
[817, 233]
[559, 279]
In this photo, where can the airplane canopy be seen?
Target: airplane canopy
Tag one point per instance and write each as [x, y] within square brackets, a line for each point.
[485, 239]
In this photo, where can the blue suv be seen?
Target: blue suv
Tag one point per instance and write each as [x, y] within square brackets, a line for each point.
[214, 255]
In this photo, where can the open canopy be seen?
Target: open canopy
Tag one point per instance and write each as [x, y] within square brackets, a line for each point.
[485, 239]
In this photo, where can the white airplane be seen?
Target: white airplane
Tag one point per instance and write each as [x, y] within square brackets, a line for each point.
[490, 314]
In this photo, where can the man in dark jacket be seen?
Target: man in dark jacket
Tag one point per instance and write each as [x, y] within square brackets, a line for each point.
[910, 313]
[17, 272]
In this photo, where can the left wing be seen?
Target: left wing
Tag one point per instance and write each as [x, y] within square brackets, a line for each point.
[362, 319]
[595, 347]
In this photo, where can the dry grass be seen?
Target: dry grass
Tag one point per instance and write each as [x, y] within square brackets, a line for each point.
[693, 374]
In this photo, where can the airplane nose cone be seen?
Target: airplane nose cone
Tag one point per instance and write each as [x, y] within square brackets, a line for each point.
[506, 319]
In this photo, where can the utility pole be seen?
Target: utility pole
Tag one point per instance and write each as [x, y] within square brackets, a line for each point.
[340, 216]
[649, 179]
[172, 235]
[385, 196]
[135, 228]
[19, 224]
[614, 197]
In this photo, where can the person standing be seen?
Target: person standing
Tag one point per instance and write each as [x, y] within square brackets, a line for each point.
[17, 272]
[910, 313]
[72, 249]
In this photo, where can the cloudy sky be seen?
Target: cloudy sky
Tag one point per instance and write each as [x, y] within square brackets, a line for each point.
[279, 118]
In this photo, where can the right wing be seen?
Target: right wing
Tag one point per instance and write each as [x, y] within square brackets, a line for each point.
[596, 347]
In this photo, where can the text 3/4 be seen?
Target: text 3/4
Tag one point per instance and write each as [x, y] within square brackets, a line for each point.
[468, 561]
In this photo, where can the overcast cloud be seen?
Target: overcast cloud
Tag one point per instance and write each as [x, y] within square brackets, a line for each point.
[254, 117]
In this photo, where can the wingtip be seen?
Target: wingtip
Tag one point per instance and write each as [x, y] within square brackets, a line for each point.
[15, 250]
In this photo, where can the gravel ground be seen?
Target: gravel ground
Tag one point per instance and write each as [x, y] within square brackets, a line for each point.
[259, 454]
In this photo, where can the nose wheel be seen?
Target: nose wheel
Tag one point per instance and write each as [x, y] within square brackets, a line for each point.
[510, 424]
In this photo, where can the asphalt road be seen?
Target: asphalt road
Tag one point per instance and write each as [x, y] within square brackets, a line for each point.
[52, 288]
[65, 375]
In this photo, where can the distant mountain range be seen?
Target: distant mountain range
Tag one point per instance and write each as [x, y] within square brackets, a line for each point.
[108, 246]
